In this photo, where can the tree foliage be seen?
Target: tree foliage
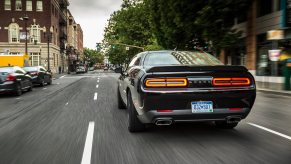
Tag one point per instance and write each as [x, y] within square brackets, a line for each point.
[172, 24]
[93, 56]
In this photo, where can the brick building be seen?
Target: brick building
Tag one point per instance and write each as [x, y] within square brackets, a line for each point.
[47, 23]
[262, 17]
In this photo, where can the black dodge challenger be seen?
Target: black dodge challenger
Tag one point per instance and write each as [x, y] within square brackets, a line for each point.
[165, 87]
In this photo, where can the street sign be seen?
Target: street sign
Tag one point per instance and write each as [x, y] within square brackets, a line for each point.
[22, 36]
[275, 35]
[127, 48]
[274, 55]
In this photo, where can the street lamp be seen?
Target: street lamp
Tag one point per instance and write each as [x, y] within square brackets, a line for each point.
[25, 19]
[48, 36]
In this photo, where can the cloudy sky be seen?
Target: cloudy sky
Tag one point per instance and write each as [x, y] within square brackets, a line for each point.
[93, 16]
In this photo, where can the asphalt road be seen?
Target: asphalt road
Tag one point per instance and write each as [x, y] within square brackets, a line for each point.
[76, 121]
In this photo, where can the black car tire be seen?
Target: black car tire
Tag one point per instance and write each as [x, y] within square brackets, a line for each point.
[134, 124]
[18, 91]
[30, 87]
[50, 81]
[225, 125]
[120, 102]
[42, 83]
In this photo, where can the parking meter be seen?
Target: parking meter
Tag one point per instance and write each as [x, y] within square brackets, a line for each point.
[287, 74]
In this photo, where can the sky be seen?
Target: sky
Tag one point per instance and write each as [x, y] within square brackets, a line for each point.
[92, 15]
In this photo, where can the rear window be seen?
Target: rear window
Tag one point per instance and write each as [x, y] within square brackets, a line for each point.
[181, 58]
[29, 69]
[6, 70]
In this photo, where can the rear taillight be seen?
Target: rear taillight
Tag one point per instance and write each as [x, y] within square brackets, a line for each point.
[234, 81]
[166, 82]
[34, 73]
[10, 77]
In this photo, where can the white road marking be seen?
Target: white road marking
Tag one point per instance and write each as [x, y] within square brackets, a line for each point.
[271, 131]
[62, 76]
[97, 86]
[58, 83]
[18, 98]
[97, 81]
[44, 88]
[95, 96]
[86, 159]
[67, 103]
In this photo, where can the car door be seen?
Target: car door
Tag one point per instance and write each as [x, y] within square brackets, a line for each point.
[130, 74]
[44, 74]
[20, 77]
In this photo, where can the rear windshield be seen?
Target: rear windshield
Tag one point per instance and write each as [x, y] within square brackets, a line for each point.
[6, 70]
[181, 58]
[29, 69]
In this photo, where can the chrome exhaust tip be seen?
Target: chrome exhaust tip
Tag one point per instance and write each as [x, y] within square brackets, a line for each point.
[163, 122]
[233, 119]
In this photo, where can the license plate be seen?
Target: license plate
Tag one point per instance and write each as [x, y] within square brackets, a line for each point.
[202, 107]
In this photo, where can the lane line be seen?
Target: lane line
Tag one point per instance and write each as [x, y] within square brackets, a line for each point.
[97, 86]
[97, 81]
[270, 131]
[95, 96]
[62, 76]
[86, 159]
[67, 103]
[44, 88]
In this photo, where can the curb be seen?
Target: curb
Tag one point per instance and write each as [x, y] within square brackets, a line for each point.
[282, 93]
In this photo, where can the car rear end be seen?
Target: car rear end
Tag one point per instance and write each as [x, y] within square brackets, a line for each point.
[8, 83]
[195, 93]
[35, 74]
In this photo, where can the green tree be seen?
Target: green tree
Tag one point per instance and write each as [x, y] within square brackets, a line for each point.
[93, 56]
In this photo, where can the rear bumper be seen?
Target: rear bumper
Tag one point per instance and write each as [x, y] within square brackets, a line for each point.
[186, 115]
[180, 104]
[7, 87]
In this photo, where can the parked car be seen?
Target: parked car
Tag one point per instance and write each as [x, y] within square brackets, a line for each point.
[91, 69]
[14, 80]
[39, 75]
[165, 87]
[81, 69]
[105, 68]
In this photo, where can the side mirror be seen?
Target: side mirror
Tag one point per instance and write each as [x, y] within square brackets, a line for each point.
[118, 70]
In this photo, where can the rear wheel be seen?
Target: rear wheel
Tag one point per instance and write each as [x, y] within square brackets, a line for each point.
[225, 125]
[18, 91]
[42, 83]
[30, 86]
[121, 104]
[50, 81]
[134, 124]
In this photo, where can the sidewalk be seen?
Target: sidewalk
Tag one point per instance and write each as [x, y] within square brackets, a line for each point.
[274, 88]
[57, 76]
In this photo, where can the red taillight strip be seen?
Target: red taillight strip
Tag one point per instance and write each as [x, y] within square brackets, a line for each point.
[164, 110]
[235, 81]
[166, 82]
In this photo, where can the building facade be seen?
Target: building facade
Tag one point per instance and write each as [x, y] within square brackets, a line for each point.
[46, 27]
[264, 17]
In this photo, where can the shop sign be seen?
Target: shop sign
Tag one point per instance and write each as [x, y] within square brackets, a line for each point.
[275, 35]
[23, 36]
[288, 13]
[274, 55]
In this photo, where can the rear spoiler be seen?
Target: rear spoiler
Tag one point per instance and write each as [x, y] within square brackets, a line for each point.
[219, 68]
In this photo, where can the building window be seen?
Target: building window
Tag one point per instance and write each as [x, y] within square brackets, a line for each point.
[28, 5]
[39, 6]
[35, 59]
[7, 5]
[13, 33]
[264, 7]
[35, 34]
[18, 5]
